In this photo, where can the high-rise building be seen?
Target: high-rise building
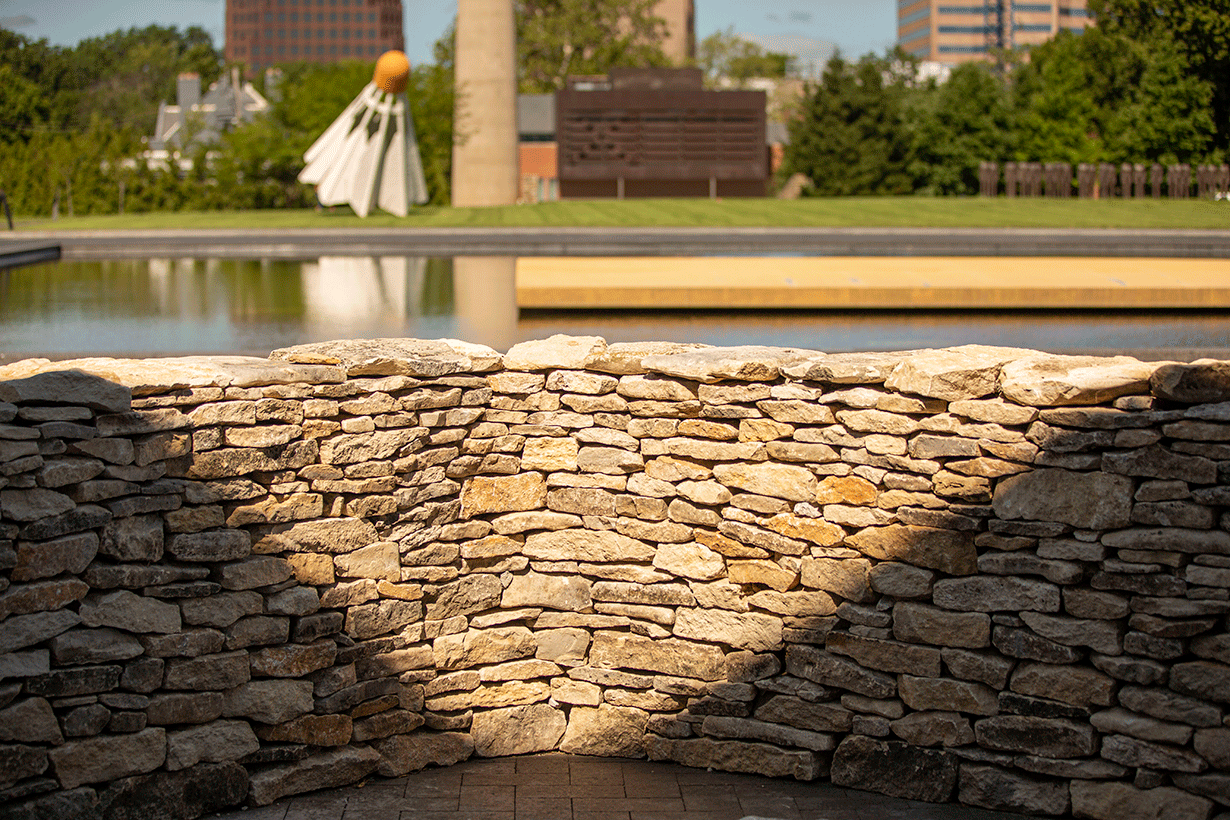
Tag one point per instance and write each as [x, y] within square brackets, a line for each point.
[679, 44]
[263, 32]
[973, 31]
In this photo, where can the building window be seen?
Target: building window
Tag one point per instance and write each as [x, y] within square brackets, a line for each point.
[333, 50]
[1045, 27]
[962, 49]
[914, 17]
[346, 50]
[967, 29]
[1040, 7]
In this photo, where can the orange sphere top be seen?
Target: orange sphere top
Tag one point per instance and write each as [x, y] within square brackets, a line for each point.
[392, 72]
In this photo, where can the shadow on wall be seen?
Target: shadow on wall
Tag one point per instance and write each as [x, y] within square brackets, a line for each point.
[978, 574]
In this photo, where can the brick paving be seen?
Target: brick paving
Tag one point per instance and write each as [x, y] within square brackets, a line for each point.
[567, 787]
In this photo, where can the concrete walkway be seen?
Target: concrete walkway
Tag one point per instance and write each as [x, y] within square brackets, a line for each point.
[567, 787]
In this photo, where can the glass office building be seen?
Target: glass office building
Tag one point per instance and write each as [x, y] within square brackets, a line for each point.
[951, 31]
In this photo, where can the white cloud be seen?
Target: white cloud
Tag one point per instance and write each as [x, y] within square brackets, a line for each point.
[20, 21]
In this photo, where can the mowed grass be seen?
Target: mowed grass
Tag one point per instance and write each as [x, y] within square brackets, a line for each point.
[867, 212]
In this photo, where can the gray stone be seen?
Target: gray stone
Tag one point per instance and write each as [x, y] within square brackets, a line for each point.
[895, 769]
[402, 754]
[1074, 685]
[1046, 737]
[1136, 753]
[124, 610]
[744, 729]
[216, 742]
[900, 581]
[211, 545]
[933, 729]
[1086, 500]
[993, 594]
[943, 694]
[831, 670]
[1120, 801]
[79, 646]
[1204, 381]
[198, 791]
[1101, 636]
[1166, 705]
[269, 701]
[714, 364]
[1202, 679]
[106, 758]
[987, 667]
[994, 788]
[607, 731]
[884, 655]
[207, 672]
[919, 623]
[46, 559]
[20, 631]
[30, 721]
[735, 756]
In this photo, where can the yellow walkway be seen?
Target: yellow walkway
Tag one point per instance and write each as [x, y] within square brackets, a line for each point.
[871, 282]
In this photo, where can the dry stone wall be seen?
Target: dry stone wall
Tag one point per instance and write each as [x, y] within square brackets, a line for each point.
[978, 574]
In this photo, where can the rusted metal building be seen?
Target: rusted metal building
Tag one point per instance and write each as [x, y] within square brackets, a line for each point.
[658, 132]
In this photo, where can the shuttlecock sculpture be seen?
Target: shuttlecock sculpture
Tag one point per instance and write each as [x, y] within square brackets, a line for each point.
[368, 158]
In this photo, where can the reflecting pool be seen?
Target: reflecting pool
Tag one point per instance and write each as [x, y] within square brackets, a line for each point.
[178, 306]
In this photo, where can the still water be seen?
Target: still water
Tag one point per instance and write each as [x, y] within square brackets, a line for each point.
[180, 306]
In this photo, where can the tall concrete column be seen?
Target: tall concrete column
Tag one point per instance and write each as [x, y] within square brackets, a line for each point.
[485, 120]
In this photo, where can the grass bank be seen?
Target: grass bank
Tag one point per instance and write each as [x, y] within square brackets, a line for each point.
[869, 212]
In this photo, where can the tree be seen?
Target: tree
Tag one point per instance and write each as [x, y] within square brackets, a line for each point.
[1198, 30]
[854, 137]
[963, 122]
[556, 38]
[726, 55]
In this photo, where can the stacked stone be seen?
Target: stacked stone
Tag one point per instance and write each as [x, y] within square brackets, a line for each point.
[980, 574]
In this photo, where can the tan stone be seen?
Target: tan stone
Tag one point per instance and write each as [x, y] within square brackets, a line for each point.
[548, 454]
[944, 550]
[767, 573]
[815, 530]
[310, 568]
[380, 562]
[952, 374]
[753, 631]
[476, 647]
[498, 494]
[608, 731]
[1048, 380]
[550, 591]
[845, 490]
[691, 560]
[514, 693]
[735, 756]
[516, 731]
[794, 604]
[847, 577]
[614, 650]
[777, 480]
[586, 545]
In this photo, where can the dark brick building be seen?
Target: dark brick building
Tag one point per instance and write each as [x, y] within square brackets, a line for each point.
[265, 32]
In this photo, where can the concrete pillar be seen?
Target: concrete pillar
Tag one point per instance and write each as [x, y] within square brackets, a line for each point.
[485, 123]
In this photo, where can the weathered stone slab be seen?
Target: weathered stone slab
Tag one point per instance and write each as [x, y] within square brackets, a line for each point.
[105, 758]
[1076, 685]
[37, 381]
[919, 623]
[607, 731]
[614, 650]
[952, 374]
[501, 494]
[748, 363]
[20, 631]
[744, 729]
[887, 656]
[933, 729]
[133, 613]
[1204, 381]
[426, 358]
[1046, 737]
[894, 768]
[482, 646]
[1121, 801]
[944, 550]
[993, 594]
[409, 753]
[216, 742]
[550, 591]
[336, 767]
[735, 756]
[742, 630]
[1085, 500]
[519, 730]
[30, 721]
[941, 694]
[994, 788]
[586, 545]
[832, 670]
[1056, 381]
[806, 715]
[269, 701]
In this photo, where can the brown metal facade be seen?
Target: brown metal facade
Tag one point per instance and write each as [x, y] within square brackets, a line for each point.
[640, 141]
[266, 32]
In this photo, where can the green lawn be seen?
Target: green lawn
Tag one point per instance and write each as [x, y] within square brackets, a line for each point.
[838, 212]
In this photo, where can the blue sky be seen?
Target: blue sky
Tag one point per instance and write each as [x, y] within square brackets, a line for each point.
[807, 28]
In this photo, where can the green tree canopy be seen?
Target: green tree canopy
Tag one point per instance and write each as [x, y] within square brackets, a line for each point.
[556, 38]
[724, 54]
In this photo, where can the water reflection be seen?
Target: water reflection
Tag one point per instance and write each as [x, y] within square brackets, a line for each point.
[174, 306]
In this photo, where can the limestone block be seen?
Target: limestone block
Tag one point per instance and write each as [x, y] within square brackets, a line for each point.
[390, 615]
[518, 730]
[901, 581]
[817, 531]
[886, 656]
[607, 731]
[988, 667]
[269, 701]
[133, 613]
[919, 623]
[994, 593]
[1204, 381]
[216, 742]
[846, 578]
[1101, 636]
[183, 707]
[30, 721]
[1167, 705]
[933, 729]
[952, 374]
[325, 770]
[549, 454]
[831, 670]
[1045, 737]
[994, 788]
[46, 559]
[109, 757]
[211, 545]
[1122, 801]
[565, 645]
[763, 572]
[1136, 753]
[751, 631]
[944, 550]
[292, 660]
[748, 363]
[379, 561]
[586, 545]
[402, 754]
[803, 714]
[735, 756]
[614, 650]
[220, 610]
[559, 352]
[498, 494]
[777, 480]
[1202, 679]
[944, 694]
[483, 646]
[1052, 381]
[550, 591]
[1085, 500]
[20, 631]
[1076, 685]
[691, 560]
[894, 768]
[33, 504]
[330, 536]
[82, 646]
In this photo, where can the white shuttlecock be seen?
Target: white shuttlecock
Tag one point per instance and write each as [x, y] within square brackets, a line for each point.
[369, 156]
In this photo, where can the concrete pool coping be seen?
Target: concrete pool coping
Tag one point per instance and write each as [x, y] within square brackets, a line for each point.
[300, 243]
